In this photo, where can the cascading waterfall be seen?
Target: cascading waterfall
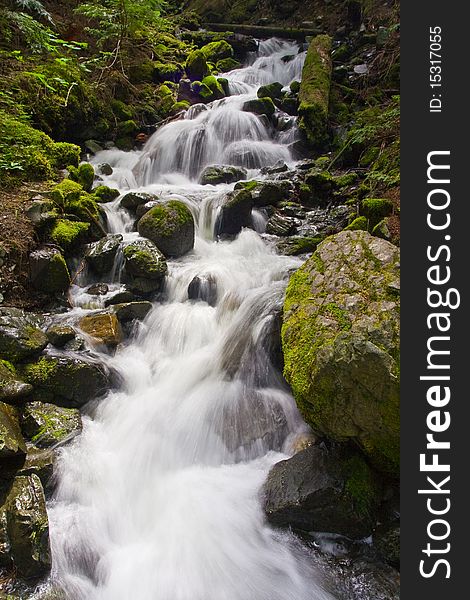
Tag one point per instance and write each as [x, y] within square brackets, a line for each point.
[158, 498]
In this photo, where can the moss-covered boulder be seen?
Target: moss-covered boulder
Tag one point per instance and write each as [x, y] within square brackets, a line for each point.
[269, 193]
[321, 489]
[12, 388]
[196, 66]
[12, 444]
[66, 381]
[216, 89]
[20, 334]
[59, 334]
[46, 425]
[84, 175]
[68, 234]
[48, 270]
[103, 329]
[235, 213]
[215, 51]
[386, 230]
[104, 194]
[260, 106]
[24, 528]
[101, 255]
[170, 226]
[358, 224]
[216, 174]
[145, 267]
[376, 209]
[227, 64]
[340, 339]
[271, 90]
[167, 72]
[314, 92]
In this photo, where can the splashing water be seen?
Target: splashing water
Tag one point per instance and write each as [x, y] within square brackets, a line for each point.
[158, 499]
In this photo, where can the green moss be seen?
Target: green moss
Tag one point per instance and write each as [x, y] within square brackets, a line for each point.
[215, 51]
[40, 371]
[65, 154]
[247, 185]
[260, 106]
[122, 111]
[340, 315]
[227, 64]
[271, 90]
[66, 233]
[105, 194]
[8, 365]
[359, 223]
[179, 107]
[217, 91]
[360, 486]
[65, 192]
[314, 92]
[196, 66]
[346, 180]
[375, 209]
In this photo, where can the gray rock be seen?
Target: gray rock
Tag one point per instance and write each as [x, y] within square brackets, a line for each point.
[12, 388]
[101, 254]
[145, 267]
[281, 225]
[170, 226]
[20, 334]
[235, 213]
[47, 425]
[59, 335]
[48, 270]
[320, 489]
[203, 287]
[216, 174]
[131, 311]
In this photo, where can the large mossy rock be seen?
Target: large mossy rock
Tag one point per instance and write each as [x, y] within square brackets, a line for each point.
[24, 528]
[20, 334]
[235, 213]
[323, 489]
[145, 267]
[66, 381]
[48, 270]
[170, 226]
[46, 425]
[314, 92]
[196, 66]
[215, 51]
[216, 174]
[260, 106]
[340, 339]
[101, 255]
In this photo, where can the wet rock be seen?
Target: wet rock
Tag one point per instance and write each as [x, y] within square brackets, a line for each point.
[98, 289]
[145, 267]
[376, 209]
[40, 462]
[131, 311]
[321, 489]
[93, 146]
[271, 90]
[105, 169]
[203, 287]
[216, 174]
[12, 388]
[170, 226]
[20, 334]
[121, 297]
[47, 425]
[59, 335]
[281, 225]
[12, 444]
[104, 328]
[105, 194]
[134, 199]
[101, 255]
[48, 270]
[270, 193]
[144, 208]
[279, 167]
[340, 302]
[67, 381]
[235, 213]
[260, 106]
[24, 528]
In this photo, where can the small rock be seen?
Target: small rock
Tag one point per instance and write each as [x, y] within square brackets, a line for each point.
[216, 174]
[281, 225]
[134, 199]
[105, 169]
[98, 289]
[361, 69]
[131, 311]
[279, 167]
[101, 255]
[104, 328]
[203, 287]
[93, 146]
[59, 335]
[145, 267]
[235, 213]
[48, 270]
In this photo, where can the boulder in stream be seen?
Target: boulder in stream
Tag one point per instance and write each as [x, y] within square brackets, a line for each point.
[340, 339]
[145, 267]
[20, 334]
[47, 425]
[235, 213]
[24, 528]
[103, 328]
[101, 254]
[170, 226]
[216, 174]
[203, 287]
[12, 444]
[12, 388]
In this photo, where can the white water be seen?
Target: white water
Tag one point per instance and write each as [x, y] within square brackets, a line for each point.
[158, 499]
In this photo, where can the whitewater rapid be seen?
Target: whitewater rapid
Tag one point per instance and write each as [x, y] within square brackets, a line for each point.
[159, 497]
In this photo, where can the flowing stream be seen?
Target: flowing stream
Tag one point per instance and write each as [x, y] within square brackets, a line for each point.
[159, 497]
